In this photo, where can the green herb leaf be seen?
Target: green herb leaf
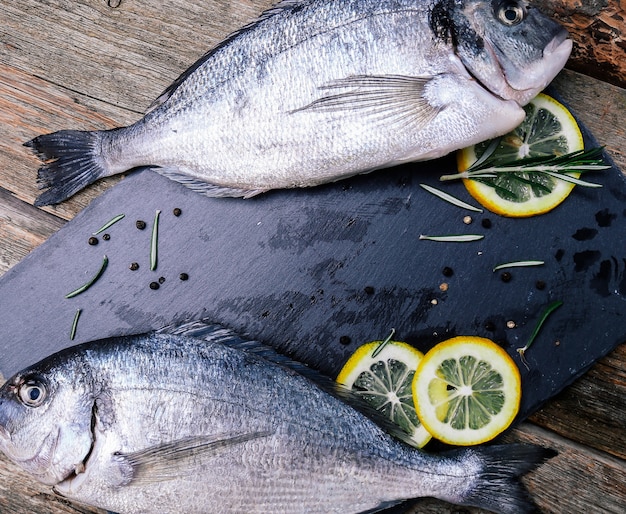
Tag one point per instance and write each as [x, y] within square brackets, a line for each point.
[560, 166]
[458, 238]
[517, 264]
[87, 285]
[108, 224]
[75, 324]
[548, 310]
[383, 343]
[449, 198]
[154, 241]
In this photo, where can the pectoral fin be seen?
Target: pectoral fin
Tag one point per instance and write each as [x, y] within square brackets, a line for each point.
[395, 98]
[171, 460]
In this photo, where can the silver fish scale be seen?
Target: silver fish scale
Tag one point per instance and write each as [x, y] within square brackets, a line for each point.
[281, 30]
[314, 451]
[319, 90]
[241, 119]
[171, 423]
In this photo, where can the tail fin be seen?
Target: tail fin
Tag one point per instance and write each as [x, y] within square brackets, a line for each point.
[71, 162]
[497, 487]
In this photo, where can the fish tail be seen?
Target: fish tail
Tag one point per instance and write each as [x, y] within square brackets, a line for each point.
[497, 486]
[72, 161]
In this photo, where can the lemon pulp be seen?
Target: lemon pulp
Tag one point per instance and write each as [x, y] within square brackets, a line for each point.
[469, 390]
[548, 129]
[382, 374]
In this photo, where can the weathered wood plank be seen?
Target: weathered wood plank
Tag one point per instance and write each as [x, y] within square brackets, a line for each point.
[577, 479]
[81, 64]
[30, 106]
[24, 226]
[600, 106]
[592, 411]
[125, 56]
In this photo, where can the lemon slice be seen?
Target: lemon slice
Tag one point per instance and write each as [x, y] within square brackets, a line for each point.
[468, 390]
[382, 374]
[548, 129]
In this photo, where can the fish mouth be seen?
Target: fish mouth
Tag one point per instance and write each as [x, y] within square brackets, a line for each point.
[39, 463]
[555, 56]
[556, 45]
[522, 85]
[72, 481]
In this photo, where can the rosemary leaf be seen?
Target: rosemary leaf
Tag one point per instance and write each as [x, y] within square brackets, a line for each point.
[517, 264]
[384, 343]
[573, 180]
[109, 223]
[449, 198]
[458, 238]
[75, 324]
[87, 285]
[548, 310]
[491, 148]
[154, 240]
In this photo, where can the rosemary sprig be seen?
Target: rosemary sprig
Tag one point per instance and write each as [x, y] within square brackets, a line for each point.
[557, 166]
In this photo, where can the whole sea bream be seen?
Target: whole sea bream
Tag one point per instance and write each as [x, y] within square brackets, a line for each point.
[318, 90]
[198, 420]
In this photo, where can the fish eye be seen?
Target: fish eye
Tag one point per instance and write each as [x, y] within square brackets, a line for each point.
[32, 392]
[511, 13]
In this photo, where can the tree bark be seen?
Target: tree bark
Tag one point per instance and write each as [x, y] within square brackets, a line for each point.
[598, 28]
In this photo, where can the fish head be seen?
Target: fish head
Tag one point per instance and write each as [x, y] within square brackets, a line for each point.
[509, 47]
[45, 423]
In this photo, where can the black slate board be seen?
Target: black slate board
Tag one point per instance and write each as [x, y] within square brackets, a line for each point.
[317, 272]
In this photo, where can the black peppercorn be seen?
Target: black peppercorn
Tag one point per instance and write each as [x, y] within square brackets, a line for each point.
[154, 285]
[486, 223]
[183, 276]
[447, 271]
[505, 276]
[140, 224]
[161, 280]
[345, 340]
[106, 237]
[369, 290]
[177, 211]
[93, 241]
[134, 266]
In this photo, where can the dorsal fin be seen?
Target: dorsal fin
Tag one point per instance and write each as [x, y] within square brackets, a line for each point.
[209, 331]
[284, 5]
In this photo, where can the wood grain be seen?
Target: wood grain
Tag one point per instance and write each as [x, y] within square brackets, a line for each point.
[125, 56]
[557, 484]
[598, 29]
[592, 411]
[81, 64]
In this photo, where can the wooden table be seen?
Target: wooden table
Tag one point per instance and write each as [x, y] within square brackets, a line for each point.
[87, 64]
